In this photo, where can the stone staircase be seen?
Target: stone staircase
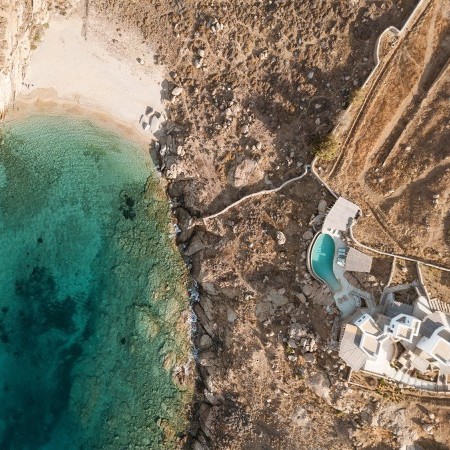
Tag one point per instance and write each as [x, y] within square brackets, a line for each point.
[439, 305]
[402, 377]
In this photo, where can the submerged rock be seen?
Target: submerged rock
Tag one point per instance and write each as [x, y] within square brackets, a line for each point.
[87, 312]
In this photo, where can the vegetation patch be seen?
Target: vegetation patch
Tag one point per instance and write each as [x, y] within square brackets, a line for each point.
[357, 96]
[326, 148]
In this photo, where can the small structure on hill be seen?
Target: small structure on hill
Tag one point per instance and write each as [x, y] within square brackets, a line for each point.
[340, 216]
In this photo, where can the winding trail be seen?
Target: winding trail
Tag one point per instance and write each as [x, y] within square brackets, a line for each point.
[311, 169]
[402, 34]
[321, 181]
[393, 255]
[375, 76]
[257, 194]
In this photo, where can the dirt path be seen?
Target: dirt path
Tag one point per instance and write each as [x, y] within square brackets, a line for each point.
[392, 157]
[373, 87]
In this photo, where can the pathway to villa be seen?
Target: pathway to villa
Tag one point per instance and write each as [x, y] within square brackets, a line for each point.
[366, 247]
[312, 169]
[257, 194]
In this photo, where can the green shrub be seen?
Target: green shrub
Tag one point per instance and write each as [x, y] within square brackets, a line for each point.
[326, 148]
[357, 96]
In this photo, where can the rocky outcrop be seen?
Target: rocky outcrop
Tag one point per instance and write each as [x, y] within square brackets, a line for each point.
[245, 173]
[20, 29]
[22, 26]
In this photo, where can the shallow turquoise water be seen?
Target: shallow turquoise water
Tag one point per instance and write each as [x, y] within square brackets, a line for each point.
[322, 256]
[90, 291]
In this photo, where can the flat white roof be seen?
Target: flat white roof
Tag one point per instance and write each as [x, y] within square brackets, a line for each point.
[340, 214]
[357, 261]
[441, 351]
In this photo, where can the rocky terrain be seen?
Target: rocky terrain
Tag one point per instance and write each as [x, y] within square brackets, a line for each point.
[251, 88]
[261, 84]
[22, 26]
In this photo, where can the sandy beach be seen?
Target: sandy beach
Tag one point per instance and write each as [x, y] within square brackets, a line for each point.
[94, 76]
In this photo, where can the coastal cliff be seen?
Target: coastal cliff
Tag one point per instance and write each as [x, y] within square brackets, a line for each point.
[22, 24]
[250, 92]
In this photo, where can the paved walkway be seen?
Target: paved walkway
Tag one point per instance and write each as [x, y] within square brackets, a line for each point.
[393, 255]
[257, 194]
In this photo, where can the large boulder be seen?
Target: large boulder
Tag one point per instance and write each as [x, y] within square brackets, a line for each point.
[185, 222]
[205, 342]
[322, 207]
[320, 386]
[301, 418]
[207, 305]
[207, 358]
[277, 298]
[264, 311]
[154, 124]
[176, 91]
[206, 417]
[195, 245]
[245, 173]
[395, 419]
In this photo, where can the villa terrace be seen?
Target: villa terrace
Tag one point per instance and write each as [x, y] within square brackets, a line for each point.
[408, 343]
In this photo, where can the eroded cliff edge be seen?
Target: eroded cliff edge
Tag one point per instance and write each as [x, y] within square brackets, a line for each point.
[22, 26]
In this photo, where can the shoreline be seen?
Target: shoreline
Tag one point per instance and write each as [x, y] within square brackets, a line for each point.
[73, 172]
[93, 76]
[47, 101]
[105, 85]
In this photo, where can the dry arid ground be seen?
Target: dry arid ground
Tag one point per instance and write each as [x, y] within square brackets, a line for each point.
[395, 161]
[262, 83]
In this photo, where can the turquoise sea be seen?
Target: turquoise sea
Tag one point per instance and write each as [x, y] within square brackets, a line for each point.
[92, 293]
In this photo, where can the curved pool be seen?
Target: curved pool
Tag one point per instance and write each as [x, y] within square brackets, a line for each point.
[321, 261]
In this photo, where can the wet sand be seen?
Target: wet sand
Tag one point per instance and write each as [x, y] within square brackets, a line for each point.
[46, 101]
[97, 77]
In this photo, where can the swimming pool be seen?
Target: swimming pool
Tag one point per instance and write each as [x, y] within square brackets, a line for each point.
[321, 261]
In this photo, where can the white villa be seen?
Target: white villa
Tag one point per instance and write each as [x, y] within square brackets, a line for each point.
[405, 342]
[413, 349]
